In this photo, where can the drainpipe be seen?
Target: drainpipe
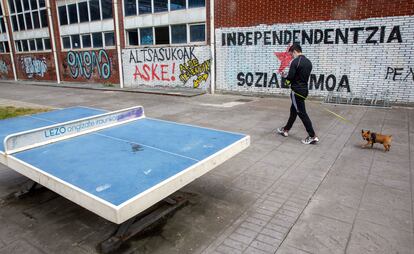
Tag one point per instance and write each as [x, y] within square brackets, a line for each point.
[53, 39]
[9, 36]
[212, 49]
[118, 44]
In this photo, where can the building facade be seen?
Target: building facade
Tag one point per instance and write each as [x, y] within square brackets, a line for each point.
[358, 48]
[152, 43]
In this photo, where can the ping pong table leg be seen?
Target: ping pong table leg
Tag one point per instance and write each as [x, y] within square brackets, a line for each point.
[141, 222]
[26, 189]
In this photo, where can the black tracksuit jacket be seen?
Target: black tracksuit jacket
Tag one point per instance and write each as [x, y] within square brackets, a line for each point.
[299, 73]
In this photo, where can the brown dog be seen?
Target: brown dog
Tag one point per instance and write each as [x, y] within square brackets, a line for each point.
[373, 138]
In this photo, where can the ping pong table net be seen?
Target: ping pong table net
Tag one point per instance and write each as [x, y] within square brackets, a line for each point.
[25, 140]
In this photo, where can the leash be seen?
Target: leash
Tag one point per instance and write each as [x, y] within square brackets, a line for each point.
[343, 119]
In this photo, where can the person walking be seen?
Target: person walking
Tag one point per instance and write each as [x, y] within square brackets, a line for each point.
[298, 77]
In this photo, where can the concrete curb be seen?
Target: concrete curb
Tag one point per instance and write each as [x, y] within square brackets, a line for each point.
[147, 90]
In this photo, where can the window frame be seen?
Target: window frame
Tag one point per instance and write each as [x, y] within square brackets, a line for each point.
[148, 13]
[25, 42]
[188, 36]
[14, 23]
[38, 18]
[58, 13]
[31, 20]
[44, 45]
[18, 45]
[112, 11]
[153, 36]
[69, 14]
[41, 19]
[104, 39]
[124, 9]
[88, 12]
[21, 14]
[72, 41]
[2, 17]
[153, 7]
[30, 45]
[63, 44]
[127, 31]
[30, 12]
[90, 40]
[6, 49]
[82, 47]
[6, 46]
[189, 33]
[187, 6]
[100, 11]
[88, 3]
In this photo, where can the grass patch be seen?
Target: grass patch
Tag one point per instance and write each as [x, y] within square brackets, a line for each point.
[7, 112]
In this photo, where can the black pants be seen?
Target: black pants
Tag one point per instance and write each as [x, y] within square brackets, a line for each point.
[298, 108]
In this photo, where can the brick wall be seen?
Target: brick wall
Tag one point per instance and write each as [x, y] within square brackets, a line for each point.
[366, 58]
[35, 66]
[96, 66]
[239, 13]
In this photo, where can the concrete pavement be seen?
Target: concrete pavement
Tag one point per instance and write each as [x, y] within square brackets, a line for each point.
[278, 196]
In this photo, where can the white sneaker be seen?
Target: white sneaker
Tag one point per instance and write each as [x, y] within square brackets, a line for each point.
[310, 140]
[282, 132]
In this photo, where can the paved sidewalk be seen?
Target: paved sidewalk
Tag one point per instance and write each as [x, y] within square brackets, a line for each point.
[278, 196]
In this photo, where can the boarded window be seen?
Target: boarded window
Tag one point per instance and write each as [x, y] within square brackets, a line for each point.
[162, 35]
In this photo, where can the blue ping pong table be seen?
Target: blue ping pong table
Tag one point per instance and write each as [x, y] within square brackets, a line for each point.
[115, 164]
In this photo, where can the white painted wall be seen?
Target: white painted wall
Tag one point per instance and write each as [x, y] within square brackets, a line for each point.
[87, 27]
[168, 64]
[30, 34]
[372, 69]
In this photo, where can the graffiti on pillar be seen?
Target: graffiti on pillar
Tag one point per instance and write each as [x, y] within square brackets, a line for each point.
[192, 68]
[3, 68]
[86, 63]
[33, 66]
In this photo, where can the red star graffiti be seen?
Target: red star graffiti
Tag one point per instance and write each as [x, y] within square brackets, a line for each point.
[285, 58]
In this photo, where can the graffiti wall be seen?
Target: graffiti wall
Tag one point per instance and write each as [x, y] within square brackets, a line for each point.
[96, 66]
[35, 66]
[6, 69]
[183, 67]
[366, 58]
